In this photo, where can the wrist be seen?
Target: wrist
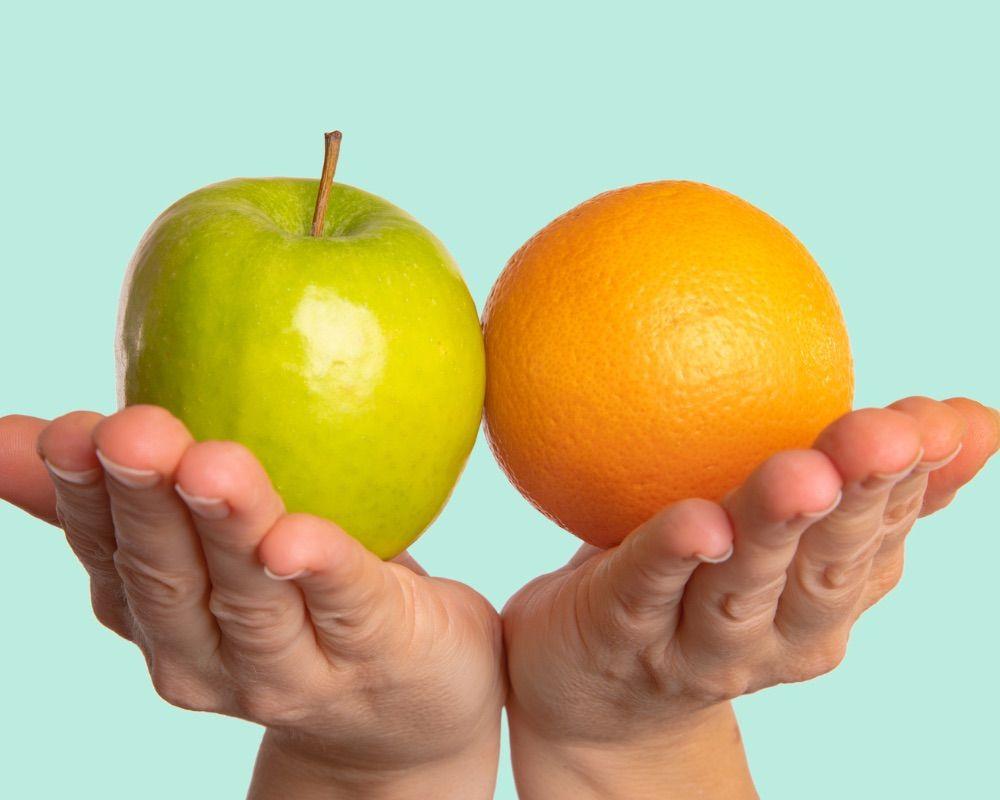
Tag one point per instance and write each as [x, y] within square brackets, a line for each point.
[699, 754]
[285, 769]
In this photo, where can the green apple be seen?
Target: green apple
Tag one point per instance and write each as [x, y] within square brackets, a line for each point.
[350, 362]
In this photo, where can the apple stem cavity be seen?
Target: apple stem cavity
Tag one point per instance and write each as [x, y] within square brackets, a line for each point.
[326, 180]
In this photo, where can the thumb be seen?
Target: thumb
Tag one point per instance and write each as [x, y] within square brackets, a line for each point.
[350, 593]
[648, 571]
[23, 479]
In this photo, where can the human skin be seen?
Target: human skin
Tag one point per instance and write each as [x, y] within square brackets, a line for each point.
[622, 663]
[615, 693]
[372, 679]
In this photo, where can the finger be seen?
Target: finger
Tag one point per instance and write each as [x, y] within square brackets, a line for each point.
[729, 608]
[941, 432]
[644, 577]
[354, 599]
[23, 480]
[158, 553]
[873, 450]
[981, 441]
[942, 429]
[233, 505]
[84, 511]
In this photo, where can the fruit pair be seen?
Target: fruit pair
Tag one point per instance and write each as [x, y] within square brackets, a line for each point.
[654, 343]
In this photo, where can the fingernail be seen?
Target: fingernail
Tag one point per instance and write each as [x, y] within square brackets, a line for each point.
[127, 476]
[880, 479]
[80, 477]
[291, 577]
[996, 413]
[717, 559]
[815, 515]
[204, 507]
[930, 466]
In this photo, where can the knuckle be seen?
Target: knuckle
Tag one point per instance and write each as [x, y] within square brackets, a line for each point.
[904, 511]
[181, 689]
[271, 707]
[111, 612]
[652, 660]
[885, 580]
[114, 623]
[95, 554]
[821, 590]
[746, 609]
[835, 583]
[151, 586]
[834, 579]
[816, 661]
[614, 611]
[618, 612]
[364, 640]
[712, 677]
[85, 512]
[246, 614]
[726, 685]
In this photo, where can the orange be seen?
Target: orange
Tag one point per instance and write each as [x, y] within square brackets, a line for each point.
[656, 343]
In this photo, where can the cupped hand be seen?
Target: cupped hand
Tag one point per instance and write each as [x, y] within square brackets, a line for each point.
[706, 602]
[364, 672]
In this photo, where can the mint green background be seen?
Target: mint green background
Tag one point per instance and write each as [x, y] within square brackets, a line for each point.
[869, 129]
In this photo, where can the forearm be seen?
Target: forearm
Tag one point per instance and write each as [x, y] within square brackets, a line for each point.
[284, 774]
[699, 757]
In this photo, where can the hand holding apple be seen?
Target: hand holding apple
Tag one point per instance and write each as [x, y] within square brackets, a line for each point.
[372, 678]
[347, 356]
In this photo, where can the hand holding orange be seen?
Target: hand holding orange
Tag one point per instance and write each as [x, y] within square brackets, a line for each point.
[655, 343]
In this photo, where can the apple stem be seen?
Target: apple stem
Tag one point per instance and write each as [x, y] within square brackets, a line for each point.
[326, 180]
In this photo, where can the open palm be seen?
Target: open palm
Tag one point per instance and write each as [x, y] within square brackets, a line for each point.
[707, 602]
